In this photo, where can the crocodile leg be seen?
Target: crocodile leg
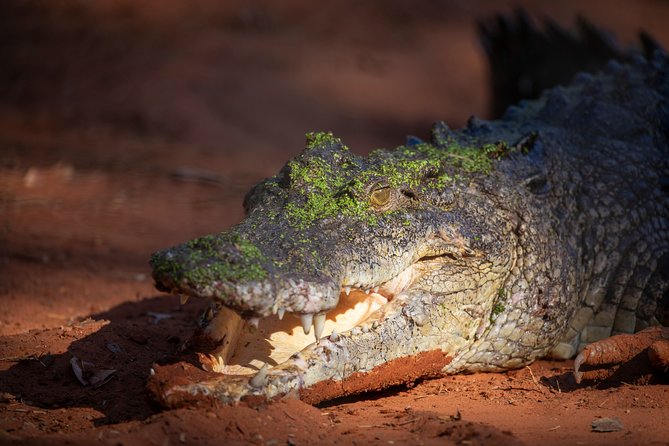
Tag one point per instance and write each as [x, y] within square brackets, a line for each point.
[640, 358]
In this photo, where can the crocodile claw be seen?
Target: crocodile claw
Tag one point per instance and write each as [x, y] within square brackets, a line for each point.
[641, 358]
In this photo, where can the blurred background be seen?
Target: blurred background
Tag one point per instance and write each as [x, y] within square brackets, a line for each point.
[127, 126]
[249, 78]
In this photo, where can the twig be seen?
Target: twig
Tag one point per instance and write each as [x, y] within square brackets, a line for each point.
[32, 357]
[533, 378]
[524, 389]
[289, 415]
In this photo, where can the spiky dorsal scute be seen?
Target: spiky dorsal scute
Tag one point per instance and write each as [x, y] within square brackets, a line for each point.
[318, 171]
[660, 81]
[618, 102]
[324, 162]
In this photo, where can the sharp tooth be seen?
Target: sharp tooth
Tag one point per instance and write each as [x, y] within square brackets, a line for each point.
[307, 321]
[367, 291]
[319, 324]
[334, 337]
[261, 377]
[280, 312]
[254, 321]
[347, 290]
[376, 289]
[183, 298]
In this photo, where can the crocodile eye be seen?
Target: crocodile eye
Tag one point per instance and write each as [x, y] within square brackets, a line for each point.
[380, 197]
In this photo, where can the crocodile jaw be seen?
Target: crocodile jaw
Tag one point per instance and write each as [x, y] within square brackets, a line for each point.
[289, 333]
[274, 340]
[280, 356]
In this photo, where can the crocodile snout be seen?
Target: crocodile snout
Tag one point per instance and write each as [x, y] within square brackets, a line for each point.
[235, 272]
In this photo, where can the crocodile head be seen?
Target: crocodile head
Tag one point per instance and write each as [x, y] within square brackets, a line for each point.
[345, 263]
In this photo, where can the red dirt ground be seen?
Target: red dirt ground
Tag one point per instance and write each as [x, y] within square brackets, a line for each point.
[125, 128]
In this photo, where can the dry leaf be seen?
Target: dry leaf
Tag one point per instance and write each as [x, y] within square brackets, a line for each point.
[87, 374]
[114, 347]
[157, 317]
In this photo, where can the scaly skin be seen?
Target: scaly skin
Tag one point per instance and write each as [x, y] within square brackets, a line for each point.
[496, 244]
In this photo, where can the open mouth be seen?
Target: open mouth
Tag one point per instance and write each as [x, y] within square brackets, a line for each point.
[318, 355]
[246, 347]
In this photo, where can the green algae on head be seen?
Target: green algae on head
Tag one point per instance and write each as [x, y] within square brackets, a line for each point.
[322, 179]
[327, 180]
[469, 158]
[320, 139]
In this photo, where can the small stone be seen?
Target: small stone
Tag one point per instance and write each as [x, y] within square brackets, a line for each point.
[606, 425]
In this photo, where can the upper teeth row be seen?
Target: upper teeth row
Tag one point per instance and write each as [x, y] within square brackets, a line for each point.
[347, 290]
[318, 320]
[308, 319]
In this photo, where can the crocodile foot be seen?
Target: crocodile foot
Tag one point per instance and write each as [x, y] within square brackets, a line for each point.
[640, 358]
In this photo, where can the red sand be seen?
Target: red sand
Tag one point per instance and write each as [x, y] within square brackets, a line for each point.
[124, 129]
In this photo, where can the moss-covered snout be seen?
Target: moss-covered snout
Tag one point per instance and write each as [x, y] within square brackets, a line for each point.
[234, 271]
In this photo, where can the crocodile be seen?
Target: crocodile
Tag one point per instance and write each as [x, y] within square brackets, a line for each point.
[478, 249]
